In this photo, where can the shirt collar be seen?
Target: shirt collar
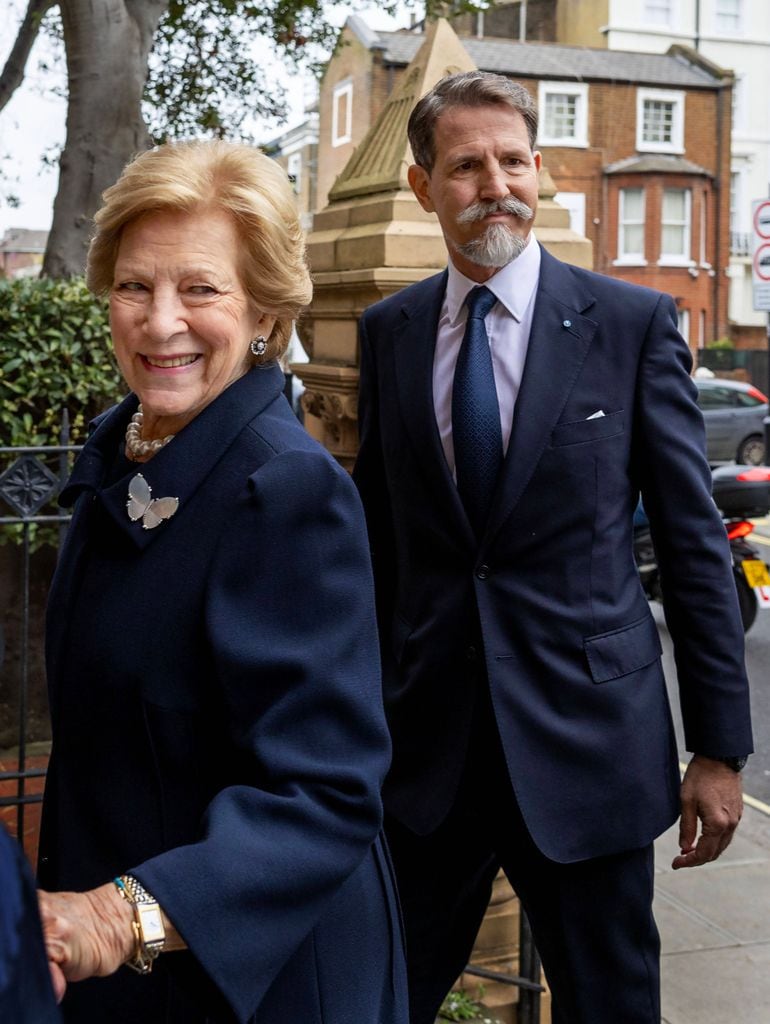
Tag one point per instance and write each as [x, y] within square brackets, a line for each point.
[513, 284]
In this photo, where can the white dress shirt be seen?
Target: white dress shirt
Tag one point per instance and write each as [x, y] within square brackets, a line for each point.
[508, 325]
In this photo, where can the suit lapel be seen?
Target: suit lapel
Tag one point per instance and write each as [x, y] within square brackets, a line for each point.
[413, 352]
[558, 344]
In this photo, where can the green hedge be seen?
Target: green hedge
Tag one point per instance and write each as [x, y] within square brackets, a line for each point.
[55, 352]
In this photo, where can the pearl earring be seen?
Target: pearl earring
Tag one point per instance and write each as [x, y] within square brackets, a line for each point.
[258, 346]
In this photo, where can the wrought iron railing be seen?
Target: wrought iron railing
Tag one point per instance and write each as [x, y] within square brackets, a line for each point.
[27, 485]
[527, 980]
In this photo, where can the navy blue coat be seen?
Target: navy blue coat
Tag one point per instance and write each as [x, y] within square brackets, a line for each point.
[550, 598]
[26, 995]
[218, 723]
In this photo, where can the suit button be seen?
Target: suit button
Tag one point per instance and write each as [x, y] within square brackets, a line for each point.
[471, 653]
[482, 572]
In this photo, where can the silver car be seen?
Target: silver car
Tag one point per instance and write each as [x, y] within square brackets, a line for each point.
[734, 414]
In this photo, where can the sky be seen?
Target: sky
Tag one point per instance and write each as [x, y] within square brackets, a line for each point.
[33, 123]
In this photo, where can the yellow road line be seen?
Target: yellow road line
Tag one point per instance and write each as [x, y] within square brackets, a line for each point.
[759, 539]
[758, 805]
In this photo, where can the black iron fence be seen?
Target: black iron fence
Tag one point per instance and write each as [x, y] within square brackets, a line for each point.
[30, 480]
[527, 980]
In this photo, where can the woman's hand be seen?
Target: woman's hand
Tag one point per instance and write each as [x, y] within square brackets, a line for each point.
[87, 934]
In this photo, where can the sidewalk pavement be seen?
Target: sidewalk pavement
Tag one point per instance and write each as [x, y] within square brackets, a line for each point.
[715, 930]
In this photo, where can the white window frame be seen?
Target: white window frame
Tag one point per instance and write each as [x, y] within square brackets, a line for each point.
[575, 204]
[740, 103]
[630, 259]
[703, 230]
[683, 316]
[578, 90]
[676, 99]
[294, 170]
[342, 133]
[684, 258]
[740, 205]
[668, 14]
[739, 28]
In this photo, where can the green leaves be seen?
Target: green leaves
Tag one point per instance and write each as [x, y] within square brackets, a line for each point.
[459, 1006]
[55, 353]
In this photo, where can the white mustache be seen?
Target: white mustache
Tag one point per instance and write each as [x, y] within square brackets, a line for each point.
[481, 209]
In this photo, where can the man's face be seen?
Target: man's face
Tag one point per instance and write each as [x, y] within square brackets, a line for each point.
[482, 157]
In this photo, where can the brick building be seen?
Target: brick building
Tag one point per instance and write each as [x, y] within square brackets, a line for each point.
[296, 150]
[21, 252]
[638, 145]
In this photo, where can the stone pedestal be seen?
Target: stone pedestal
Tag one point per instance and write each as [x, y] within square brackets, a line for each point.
[370, 241]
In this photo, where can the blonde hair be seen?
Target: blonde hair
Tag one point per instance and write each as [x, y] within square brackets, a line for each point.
[252, 188]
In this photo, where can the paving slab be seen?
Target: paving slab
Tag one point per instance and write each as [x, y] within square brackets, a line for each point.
[715, 931]
[719, 986]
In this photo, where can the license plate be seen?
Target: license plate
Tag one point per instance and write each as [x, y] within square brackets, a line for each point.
[756, 572]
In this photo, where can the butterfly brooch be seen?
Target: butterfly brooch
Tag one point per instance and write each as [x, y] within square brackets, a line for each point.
[142, 505]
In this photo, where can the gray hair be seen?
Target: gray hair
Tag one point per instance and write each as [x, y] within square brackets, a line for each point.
[467, 89]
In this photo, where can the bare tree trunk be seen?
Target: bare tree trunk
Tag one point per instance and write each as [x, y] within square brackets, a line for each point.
[108, 44]
[13, 73]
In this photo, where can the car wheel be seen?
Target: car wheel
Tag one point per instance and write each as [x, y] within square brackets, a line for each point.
[751, 451]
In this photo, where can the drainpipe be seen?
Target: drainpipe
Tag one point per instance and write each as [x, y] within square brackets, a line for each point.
[523, 21]
[718, 192]
[697, 25]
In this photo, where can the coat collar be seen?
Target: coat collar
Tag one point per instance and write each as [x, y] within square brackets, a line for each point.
[180, 468]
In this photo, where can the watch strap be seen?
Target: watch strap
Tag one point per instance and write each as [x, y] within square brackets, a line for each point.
[149, 932]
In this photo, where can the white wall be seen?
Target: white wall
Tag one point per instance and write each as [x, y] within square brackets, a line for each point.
[748, 55]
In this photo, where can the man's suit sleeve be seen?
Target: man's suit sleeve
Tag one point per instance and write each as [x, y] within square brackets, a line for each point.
[694, 560]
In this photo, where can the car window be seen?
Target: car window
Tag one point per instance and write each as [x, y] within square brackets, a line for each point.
[746, 399]
[716, 398]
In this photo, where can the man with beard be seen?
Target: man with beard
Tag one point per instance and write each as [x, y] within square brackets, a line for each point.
[513, 408]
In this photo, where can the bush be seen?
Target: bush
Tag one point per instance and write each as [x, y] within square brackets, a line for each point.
[55, 353]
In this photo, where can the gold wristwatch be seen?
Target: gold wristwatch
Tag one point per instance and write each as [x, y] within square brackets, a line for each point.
[149, 933]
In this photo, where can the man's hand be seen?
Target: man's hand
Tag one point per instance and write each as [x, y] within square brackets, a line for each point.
[711, 792]
[86, 934]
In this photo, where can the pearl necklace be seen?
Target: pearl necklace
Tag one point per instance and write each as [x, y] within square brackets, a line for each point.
[135, 446]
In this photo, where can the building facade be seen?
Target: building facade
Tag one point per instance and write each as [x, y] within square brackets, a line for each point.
[21, 252]
[296, 150]
[637, 144]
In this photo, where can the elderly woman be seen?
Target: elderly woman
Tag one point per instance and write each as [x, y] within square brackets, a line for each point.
[212, 811]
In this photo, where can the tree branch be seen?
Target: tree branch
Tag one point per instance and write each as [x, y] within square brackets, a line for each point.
[13, 73]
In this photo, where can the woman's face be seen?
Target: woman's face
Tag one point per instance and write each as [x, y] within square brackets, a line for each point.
[181, 320]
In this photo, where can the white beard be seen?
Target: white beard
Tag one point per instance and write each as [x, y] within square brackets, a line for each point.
[497, 247]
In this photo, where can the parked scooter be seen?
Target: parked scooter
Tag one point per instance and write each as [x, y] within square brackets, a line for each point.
[741, 493]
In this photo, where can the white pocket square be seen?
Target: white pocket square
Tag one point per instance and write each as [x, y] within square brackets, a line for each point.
[596, 415]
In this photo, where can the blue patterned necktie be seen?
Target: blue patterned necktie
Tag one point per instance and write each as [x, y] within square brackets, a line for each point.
[476, 431]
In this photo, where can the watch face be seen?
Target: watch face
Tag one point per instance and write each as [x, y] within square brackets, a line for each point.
[151, 923]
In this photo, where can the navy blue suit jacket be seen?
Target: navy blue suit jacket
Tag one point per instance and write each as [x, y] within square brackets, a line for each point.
[218, 723]
[570, 648]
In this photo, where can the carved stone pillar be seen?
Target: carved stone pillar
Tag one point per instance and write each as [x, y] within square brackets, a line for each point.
[370, 241]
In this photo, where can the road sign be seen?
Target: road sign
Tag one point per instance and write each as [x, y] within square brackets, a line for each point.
[760, 269]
